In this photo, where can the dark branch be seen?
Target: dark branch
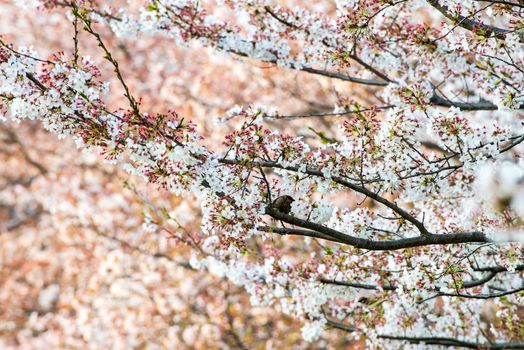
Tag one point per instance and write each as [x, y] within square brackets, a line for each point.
[453, 342]
[357, 285]
[35, 81]
[502, 2]
[337, 236]
[344, 77]
[341, 181]
[469, 24]
[465, 106]
[445, 341]
[321, 72]
[498, 268]
[465, 285]
[305, 233]
[480, 296]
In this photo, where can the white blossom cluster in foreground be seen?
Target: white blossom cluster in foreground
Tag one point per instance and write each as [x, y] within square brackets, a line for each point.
[410, 207]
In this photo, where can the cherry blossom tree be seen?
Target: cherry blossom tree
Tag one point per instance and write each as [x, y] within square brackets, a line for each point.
[83, 267]
[391, 130]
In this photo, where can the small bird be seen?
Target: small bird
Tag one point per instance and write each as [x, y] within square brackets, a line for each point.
[283, 204]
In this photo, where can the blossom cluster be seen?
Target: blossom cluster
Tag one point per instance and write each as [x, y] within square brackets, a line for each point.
[408, 211]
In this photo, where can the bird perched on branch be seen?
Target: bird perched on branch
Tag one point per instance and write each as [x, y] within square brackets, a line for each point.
[283, 204]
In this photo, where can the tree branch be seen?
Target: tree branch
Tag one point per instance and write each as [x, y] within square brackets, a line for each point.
[344, 77]
[502, 2]
[465, 106]
[444, 341]
[341, 181]
[465, 285]
[362, 243]
[469, 24]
